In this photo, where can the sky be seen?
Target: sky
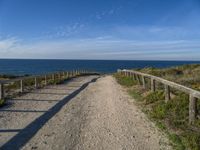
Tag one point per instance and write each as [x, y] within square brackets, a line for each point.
[100, 29]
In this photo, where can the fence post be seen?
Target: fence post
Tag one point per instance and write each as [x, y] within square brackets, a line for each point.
[138, 78]
[192, 109]
[167, 93]
[21, 86]
[45, 79]
[36, 84]
[134, 75]
[129, 74]
[67, 75]
[143, 82]
[153, 85]
[1, 91]
[64, 75]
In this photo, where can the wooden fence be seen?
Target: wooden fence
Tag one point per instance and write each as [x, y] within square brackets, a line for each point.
[142, 78]
[39, 80]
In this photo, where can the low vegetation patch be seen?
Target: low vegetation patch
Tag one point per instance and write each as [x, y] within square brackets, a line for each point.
[2, 102]
[171, 117]
[125, 81]
[187, 75]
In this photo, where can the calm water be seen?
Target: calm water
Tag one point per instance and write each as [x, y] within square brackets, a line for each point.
[21, 67]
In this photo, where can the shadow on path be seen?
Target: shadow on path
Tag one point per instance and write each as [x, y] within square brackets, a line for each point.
[9, 130]
[29, 131]
[48, 93]
[31, 111]
[35, 100]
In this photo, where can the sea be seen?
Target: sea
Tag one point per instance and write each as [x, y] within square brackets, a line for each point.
[42, 66]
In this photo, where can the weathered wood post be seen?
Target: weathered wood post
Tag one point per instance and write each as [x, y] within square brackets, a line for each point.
[167, 93]
[74, 72]
[36, 83]
[64, 75]
[134, 76]
[1, 91]
[67, 75]
[138, 78]
[129, 74]
[45, 79]
[153, 85]
[192, 109]
[143, 82]
[21, 86]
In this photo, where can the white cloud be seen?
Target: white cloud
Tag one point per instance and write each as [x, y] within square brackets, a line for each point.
[101, 48]
[6, 44]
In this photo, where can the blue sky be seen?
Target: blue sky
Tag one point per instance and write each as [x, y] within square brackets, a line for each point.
[100, 29]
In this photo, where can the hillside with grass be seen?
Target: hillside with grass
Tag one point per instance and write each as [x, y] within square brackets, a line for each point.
[171, 117]
[188, 75]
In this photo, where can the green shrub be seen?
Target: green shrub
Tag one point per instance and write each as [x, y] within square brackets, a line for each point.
[154, 96]
[191, 140]
[178, 110]
[137, 95]
[159, 111]
[177, 142]
[56, 81]
[125, 81]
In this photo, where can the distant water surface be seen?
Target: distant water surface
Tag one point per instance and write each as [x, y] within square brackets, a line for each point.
[30, 66]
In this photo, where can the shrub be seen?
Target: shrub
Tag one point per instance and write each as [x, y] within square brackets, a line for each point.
[125, 81]
[191, 139]
[137, 95]
[159, 111]
[178, 110]
[154, 96]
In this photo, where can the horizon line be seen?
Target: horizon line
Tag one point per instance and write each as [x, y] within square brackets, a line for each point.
[98, 59]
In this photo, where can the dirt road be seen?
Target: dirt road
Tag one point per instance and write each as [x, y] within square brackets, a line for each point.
[79, 115]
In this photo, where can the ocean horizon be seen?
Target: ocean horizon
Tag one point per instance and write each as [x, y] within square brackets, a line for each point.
[42, 66]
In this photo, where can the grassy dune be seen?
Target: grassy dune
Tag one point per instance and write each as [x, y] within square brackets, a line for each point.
[188, 75]
[172, 117]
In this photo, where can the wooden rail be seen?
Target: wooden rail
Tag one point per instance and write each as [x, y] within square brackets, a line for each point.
[41, 79]
[193, 94]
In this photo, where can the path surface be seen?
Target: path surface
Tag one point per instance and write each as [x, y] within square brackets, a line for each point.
[99, 116]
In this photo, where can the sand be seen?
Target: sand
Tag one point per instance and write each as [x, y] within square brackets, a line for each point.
[82, 114]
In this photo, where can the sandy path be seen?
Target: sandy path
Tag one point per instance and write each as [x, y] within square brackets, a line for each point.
[25, 115]
[99, 117]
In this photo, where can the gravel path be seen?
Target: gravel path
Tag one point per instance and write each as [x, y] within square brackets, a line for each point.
[98, 116]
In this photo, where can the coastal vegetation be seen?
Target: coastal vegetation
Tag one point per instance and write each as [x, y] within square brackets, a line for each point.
[13, 88]
[171, 117]
[187, 75]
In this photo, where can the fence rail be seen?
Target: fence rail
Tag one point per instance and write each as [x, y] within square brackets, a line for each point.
[40, 80]
[193, 94]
